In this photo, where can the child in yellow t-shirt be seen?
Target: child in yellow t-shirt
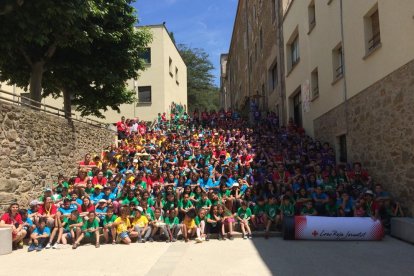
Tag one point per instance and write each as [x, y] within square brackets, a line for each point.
[140, 226]
[189, 227]
[123, 226]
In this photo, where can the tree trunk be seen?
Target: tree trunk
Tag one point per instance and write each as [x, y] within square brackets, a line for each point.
[67, 103]
[36, 82]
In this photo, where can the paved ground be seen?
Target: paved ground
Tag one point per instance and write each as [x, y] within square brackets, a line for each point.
[238, 257]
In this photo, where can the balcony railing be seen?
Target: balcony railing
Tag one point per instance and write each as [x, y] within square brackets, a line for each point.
[339, 71]
[374, 41]
[315, 92]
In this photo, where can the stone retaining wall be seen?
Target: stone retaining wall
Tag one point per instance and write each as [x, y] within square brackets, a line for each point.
[379, 130]
[36, 147]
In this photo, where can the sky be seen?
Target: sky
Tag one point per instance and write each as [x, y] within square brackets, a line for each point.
[206, 24]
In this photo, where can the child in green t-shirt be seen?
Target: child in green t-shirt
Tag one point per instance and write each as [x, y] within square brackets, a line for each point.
[272, 212]
[108, 225]
[173, 224]
[71, 227]
[90, 230]
[308, 209]
[243, 215]
[286, 208]
[259, 216]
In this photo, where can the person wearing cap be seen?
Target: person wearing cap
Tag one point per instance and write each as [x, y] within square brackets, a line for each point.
[140, 225]
[33, 211]
[96, 195]
[370, 205]
[243, 216]
[100, 210]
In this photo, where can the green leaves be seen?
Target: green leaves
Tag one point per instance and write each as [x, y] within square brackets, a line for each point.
[202, 94]
[89, 48]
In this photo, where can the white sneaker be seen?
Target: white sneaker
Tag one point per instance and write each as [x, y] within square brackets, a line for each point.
[48, 246]
[198, 240]
[56, 246]
[244, 237]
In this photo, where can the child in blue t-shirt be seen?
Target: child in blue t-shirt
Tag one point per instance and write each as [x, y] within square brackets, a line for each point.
[39, 236]
[27, 222]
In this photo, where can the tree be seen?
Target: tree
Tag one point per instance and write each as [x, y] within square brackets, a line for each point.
[84, 50]
[31, 34]
[92, 76]
[7, 6]
[202, 94]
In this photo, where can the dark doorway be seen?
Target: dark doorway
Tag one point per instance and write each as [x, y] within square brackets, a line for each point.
[297, 109]
[343, 155]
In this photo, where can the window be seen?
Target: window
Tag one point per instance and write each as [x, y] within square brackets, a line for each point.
[176, 76]
[311, 16]
[145, 55]
[170, 67]
[372, 30]
[343, 156]
[315, 83]
[337, 62]
[294, 52]
[144, 94]
[297, 108]
[274, 77]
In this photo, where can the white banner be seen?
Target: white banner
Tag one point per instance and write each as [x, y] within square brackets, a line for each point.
[337, 228]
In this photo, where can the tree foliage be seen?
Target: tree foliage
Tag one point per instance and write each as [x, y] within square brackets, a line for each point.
[83, 49]
[202, 94]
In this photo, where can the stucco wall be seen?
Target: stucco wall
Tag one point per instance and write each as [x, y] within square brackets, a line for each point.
[380, 131]
[36, 147]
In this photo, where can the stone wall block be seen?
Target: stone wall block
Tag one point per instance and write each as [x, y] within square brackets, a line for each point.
[36, 147]
[380, 132]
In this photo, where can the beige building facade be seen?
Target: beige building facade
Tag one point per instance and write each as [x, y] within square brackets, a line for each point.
[163, 81]
[254, 63]
[350, 82]
[335, 49]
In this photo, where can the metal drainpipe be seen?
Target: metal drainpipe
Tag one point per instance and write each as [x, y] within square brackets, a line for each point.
[281, 61]
[345, 92]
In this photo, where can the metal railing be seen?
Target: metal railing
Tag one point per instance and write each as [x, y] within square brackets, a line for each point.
[28, 102]
[315, 92]
[339, 71]
[374, 41]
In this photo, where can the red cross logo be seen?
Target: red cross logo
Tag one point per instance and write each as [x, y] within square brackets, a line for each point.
[315, 233]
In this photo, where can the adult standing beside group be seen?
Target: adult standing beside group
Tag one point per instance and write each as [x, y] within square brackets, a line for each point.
[13, 219]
